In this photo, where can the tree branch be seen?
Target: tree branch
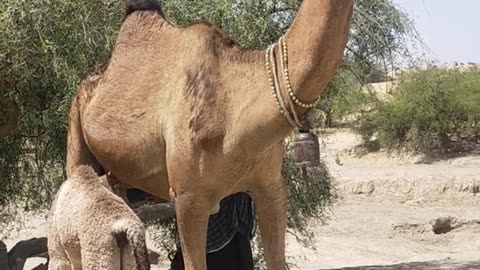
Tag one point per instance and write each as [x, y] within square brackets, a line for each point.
[23, 250]
[156, 211]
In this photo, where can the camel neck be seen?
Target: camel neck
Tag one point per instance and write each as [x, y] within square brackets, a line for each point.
[316, 42]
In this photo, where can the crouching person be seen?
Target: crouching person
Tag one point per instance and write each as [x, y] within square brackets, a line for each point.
[92, 228]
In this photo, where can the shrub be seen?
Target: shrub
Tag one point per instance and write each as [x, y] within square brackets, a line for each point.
[432, 110]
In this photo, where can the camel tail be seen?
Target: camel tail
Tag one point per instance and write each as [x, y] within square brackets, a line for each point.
[143, 5]
[129, 232]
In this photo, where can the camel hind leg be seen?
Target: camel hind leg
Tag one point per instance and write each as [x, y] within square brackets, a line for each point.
[78, 152]
[100, 251]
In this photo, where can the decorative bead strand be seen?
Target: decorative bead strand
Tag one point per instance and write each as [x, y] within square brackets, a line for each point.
[274, 84]
[284, 56]
[289, 99]
[270, 80]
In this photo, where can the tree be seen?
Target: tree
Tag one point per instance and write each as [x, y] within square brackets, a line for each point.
[382, 38]
[47, 47]
[51, 45]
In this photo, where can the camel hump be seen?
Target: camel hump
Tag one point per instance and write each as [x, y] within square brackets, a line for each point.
[143, 5]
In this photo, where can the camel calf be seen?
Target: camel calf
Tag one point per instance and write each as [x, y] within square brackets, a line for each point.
[92, 228]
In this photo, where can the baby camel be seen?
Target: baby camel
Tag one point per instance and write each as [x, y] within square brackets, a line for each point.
[92, 228]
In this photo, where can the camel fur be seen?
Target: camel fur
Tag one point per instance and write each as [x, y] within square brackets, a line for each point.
[186, 114]
[90, 227]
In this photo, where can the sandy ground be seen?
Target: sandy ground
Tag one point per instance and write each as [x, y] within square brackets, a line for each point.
[27, 226]
[384, 219]
[389, 205]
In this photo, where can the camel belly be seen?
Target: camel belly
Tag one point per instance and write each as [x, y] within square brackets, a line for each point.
[129, 147]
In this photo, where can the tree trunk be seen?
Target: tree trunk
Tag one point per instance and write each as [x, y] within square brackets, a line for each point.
[156, 211]
[18, 255]
[11, 120]
[329, 119]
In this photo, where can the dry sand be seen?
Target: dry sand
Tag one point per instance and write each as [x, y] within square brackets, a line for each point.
[389, 205]
[385, 216]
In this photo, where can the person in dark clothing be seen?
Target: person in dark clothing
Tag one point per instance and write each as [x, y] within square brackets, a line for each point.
[228, 237]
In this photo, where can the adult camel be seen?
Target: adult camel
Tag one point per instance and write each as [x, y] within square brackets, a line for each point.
[188, 115]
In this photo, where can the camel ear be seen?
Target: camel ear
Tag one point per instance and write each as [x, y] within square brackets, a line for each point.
[10, 122]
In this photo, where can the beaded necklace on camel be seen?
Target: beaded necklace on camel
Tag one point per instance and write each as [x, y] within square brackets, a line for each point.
[306, 145]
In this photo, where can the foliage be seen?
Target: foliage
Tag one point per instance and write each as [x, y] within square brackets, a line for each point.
[49, 47]
[343, 97]
[309, 190]
[163, 234]
[382, 38]
[430, 110]
[52, 44]
[253, 23]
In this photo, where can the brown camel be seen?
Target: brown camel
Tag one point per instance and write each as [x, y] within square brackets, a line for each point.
[188, 115]
[92, 228]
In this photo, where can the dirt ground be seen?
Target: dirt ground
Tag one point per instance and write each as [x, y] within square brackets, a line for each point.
[397, 210]
[395, 213]
[438, 265]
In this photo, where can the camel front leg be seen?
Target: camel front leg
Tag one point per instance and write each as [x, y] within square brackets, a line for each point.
[271, 206]
[58, 258]
[192, 221]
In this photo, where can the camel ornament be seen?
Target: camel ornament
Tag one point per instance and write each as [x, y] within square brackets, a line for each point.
[306, 146]
[306, 149]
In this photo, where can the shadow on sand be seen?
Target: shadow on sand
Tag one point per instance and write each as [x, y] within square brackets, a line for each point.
[437, 265]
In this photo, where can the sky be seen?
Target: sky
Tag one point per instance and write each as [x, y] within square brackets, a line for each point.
[449, 28]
